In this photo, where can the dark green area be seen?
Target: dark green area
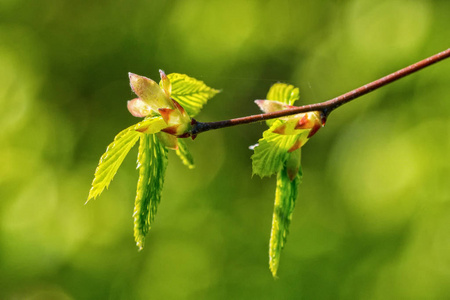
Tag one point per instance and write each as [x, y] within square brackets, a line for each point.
[372, 219]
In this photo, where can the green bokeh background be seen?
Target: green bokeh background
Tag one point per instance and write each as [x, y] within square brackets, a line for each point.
[373, 217]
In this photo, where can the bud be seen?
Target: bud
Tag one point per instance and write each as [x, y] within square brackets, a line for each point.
[156, 99]
[138, 108]
[165, 83]
[311, 121]
[293, 124]
[150, 92]
[268, 106]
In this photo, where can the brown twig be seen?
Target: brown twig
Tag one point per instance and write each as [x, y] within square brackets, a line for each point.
[324, 107]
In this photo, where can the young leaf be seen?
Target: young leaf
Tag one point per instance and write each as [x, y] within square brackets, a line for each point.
[279, 151]
[272, 151]
[189, 92]
[117, 151]
[293, 163]
[184, 154]
[149, 92]
[152, 163]
[179, 145]
[283, 92]
[149, 125]
[169, 141]
[268, 106]
[285, 196]
[111, 160]
[139, 108]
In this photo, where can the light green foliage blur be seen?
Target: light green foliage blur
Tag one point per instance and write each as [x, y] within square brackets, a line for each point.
[373, 217]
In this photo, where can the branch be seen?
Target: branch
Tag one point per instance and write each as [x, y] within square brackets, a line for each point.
[324, 107]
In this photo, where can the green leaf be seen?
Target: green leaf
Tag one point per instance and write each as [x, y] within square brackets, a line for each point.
[272, 151]
[152, 164]
[184, 154]
[150, 92]
[111, 160]
[190, 93]
[150, 125]
[293, 163]
[116, 152]
[168, 140]
[285, 197]
[279, 151]
[283, 92]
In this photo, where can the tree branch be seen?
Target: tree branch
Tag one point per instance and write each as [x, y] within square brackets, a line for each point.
[324, 107]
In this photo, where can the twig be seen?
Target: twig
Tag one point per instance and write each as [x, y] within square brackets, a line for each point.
[324, 107]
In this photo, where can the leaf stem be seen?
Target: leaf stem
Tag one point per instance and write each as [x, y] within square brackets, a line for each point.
[325, 107]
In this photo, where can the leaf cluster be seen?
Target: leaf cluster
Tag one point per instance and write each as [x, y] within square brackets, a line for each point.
[152, 160]
[168, 108]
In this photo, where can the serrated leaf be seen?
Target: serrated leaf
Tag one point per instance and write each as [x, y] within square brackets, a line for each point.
[283, 92]
[152, 164]
[116, 152]
[111, 160]
[184, 154]
[272, 151]
[189, 92]
[150, 125]
[285, 197]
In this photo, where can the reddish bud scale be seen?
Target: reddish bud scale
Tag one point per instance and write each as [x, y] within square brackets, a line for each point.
[179, 107]
[318, 124]
[171, 130]
[280, 129]
[142, 129]
[165, 114]
[297, 145]
[302, 123]
[314, 130]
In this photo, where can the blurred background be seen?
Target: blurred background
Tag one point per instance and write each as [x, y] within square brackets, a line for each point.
[373, 216]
